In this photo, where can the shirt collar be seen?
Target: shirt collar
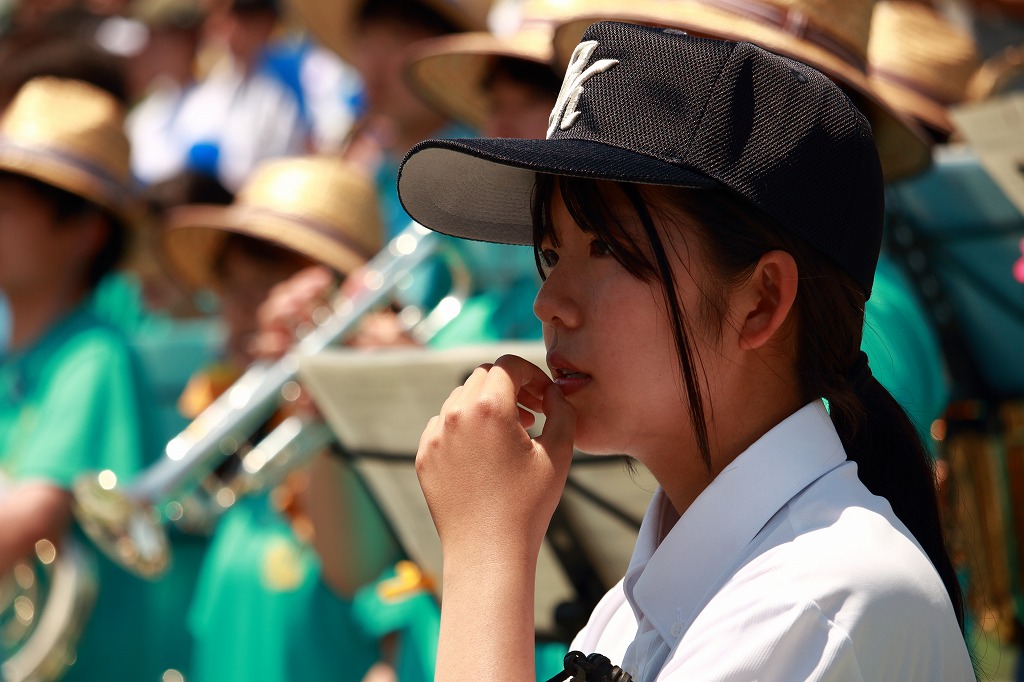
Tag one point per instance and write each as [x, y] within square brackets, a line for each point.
[711, 535]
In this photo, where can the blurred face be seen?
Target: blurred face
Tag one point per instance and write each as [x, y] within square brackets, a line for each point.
[610, 341]
[169, 53]
[518, 109]
[243, 281]
[35, 250]
[380, 51]
[247, 34]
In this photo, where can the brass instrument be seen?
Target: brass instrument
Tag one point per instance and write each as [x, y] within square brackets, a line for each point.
[127, 522]
[45, 601]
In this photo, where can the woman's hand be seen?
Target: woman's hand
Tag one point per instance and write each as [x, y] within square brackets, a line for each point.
[491, 488]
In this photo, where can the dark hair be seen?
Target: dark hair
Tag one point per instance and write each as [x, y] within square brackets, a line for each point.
[407, 13]
[187, 187]
[876, 433]
[36, 54]
[540, 77]
[67, 206]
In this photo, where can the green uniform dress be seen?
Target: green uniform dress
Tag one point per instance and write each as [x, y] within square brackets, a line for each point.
[75, 401]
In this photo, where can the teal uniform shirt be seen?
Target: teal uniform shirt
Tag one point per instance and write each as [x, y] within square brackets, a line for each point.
[504, 277]
[903, 348]
[262, 613]
[75, 401]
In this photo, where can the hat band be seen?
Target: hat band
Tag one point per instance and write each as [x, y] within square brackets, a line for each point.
[321, 228]
[115, 190]
[795, 23]
[912, 85]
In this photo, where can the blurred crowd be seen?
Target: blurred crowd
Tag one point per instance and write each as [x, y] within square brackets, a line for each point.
[185, 184]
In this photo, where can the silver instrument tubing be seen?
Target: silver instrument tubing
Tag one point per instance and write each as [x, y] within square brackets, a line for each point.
[127, 523]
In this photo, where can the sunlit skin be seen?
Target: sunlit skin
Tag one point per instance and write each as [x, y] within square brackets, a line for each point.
[517, 109]
[491, 488]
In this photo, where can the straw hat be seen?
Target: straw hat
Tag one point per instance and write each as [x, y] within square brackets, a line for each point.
[449, 71]
[318, 206]
[920, 62]
[70, 135]
[333, 22]
[829, 35]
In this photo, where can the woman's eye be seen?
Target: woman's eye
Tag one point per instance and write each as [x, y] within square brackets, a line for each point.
[600, 247]
[548, 258]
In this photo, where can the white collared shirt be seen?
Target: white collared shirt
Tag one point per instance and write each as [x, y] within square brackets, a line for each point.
[785, 568]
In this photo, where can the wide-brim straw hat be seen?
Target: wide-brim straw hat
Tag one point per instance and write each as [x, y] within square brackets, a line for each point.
[920, 62]
[830, 36]
[334, 22]
[449, 72]
[320, 207]
[70, 135]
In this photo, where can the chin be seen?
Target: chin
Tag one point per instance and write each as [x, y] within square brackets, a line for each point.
[592, 442]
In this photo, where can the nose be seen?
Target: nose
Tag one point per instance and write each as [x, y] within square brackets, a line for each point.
[557, 303]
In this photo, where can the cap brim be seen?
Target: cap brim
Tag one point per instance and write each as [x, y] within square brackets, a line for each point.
[481, 189]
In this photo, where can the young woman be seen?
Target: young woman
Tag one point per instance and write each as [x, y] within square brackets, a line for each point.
[707, 218]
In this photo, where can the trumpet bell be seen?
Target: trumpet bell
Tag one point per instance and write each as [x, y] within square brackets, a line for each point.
[126, 530]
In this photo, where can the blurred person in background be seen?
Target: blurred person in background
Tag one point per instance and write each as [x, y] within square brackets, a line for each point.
[162, 290]
[274, 599]
[161, 75]
[502, 84]
[72, 396]
[378, 38]
[55, 49]
[232, 117]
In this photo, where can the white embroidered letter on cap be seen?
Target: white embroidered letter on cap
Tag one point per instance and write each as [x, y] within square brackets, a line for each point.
[565, 113]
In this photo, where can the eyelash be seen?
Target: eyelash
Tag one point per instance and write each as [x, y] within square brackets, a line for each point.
[598, 248]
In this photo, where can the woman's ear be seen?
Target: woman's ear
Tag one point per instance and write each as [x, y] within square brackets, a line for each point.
[765, 300]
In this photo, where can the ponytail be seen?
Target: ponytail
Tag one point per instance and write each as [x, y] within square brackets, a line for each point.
[876, 432]
[893, 463]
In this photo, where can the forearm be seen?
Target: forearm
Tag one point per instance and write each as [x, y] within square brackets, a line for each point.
[351, 536]
[487, 627]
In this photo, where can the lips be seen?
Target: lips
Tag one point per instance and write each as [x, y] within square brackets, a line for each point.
[569, 378]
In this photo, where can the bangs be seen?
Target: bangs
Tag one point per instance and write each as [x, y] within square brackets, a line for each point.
[590, 204]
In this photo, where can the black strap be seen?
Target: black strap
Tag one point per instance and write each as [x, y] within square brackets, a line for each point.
[592, 668]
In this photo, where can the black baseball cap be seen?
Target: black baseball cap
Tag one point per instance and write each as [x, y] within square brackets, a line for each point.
[657, 106]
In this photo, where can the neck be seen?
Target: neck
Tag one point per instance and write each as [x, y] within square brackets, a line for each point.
[33, 313]
[763, 399]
